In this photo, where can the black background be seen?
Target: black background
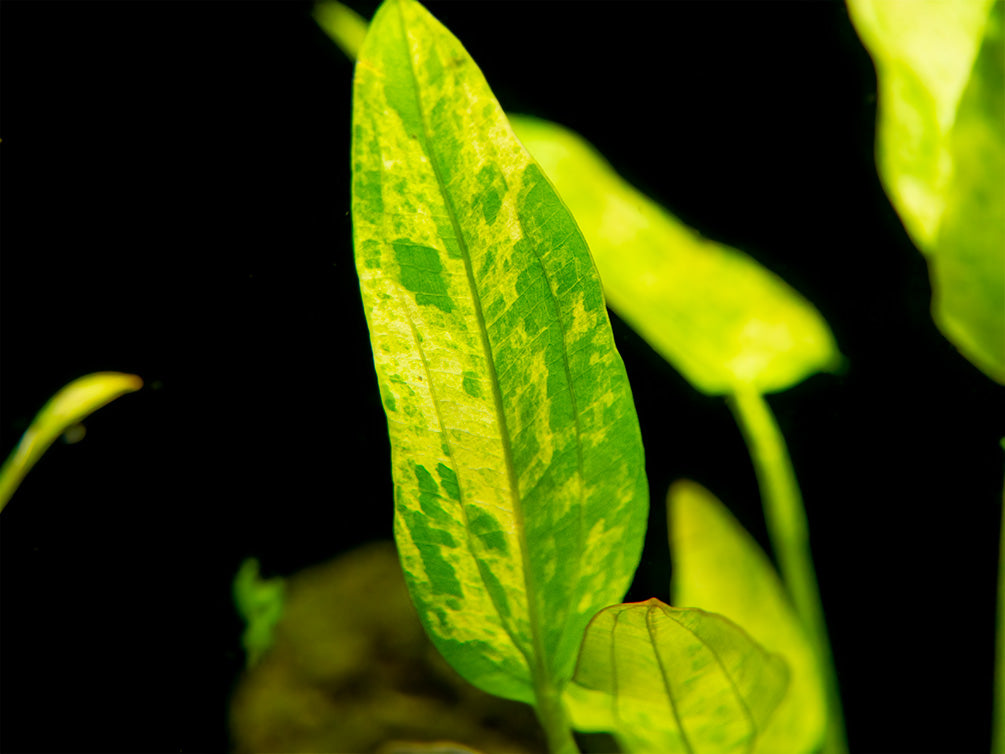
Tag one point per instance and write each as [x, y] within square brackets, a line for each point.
[175, 204]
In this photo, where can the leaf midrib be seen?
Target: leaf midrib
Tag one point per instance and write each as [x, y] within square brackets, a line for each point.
[533, 664]
[671, 697]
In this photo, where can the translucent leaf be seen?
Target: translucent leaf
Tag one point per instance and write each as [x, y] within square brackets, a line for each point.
[668, 680]
[714, 313]
[940, 150]
[718, 565]
[72, 404]
[520, 492]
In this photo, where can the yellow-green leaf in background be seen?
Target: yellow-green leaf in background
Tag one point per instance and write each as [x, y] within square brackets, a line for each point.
[669, 680]
[718, 565]
[520, 492]
[66, 408]
[940, 151]
[721, 319]
[344, 25]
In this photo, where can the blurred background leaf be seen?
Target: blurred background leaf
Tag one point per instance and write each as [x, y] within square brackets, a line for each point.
[940, 150]
[717, 565]
[712, 311]
[259, 602]
[351, 669]
[67, 408]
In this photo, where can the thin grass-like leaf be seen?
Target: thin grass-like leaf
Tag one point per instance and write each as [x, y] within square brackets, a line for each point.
[71, 405]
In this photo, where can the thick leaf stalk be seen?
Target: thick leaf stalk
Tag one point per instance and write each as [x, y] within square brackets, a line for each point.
[789, 532]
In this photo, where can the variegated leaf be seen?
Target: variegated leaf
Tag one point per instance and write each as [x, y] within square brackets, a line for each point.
[520, 494]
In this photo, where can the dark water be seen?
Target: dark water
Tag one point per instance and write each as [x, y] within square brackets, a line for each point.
[175, 200]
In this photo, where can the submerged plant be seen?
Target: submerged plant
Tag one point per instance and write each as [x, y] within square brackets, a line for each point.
[520, 497]
[730, 327]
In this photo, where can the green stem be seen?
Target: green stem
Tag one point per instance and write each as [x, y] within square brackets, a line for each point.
[553, 718]
[998, 713]
[789, 532]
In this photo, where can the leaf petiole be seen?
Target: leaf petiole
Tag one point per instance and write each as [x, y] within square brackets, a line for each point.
[786, 519]
[554, 719]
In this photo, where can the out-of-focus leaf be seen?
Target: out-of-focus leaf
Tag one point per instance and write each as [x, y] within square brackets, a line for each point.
[520, 491]
[436, 747]
[344, 25]
[924, 54]
[718, 565]
[70, 405]
[666, 679]
[352, 670]
[715, 314]
[940, 150]
[260, 603]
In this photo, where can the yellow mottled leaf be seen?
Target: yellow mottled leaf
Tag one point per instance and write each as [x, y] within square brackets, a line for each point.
[520, 492]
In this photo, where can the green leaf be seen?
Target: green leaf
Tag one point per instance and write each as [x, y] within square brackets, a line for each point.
[520, 493]
[714, 313]
[718, 565]
[259, 602]
[666, 679]
[940, 150]
[69, 406]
